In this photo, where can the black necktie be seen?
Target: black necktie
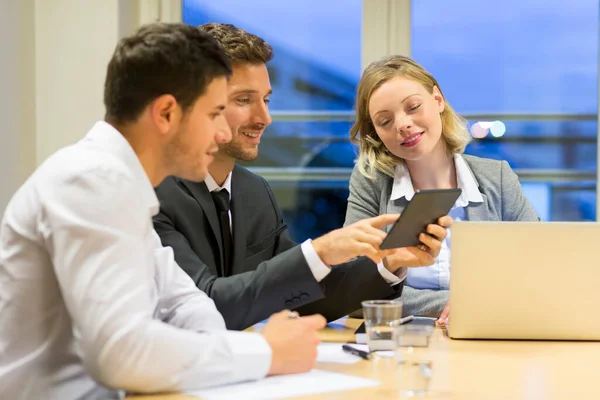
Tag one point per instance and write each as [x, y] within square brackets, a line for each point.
[221, 200]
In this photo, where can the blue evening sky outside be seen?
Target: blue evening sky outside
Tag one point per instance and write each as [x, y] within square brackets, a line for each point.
[501, 56]
[326, 31]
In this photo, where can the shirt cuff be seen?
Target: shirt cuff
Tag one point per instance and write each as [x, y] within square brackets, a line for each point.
[390, 278]
[251, 353]
[316, 265]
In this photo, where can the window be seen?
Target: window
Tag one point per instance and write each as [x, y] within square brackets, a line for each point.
[532, 66]
[524, 73]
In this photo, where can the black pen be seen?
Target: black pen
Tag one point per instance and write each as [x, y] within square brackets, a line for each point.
[362, 354]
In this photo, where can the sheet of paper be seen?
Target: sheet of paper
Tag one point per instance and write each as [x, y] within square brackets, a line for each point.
[278, 387]
[333, 353]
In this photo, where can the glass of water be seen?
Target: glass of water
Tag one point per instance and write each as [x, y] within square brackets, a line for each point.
[414, 365]
[381, 317]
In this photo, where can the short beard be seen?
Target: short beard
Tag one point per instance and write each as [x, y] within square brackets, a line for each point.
[234, 151]
[172, 153]
[175, 156]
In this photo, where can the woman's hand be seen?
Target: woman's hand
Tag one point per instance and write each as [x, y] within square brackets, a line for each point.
[443, 319]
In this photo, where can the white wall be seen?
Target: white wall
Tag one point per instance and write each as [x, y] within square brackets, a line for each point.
[17, 95]
[54, 58]
[73, 41]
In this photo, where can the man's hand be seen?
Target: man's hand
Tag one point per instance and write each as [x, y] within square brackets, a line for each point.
[443, 319]
[423, 255]
[293, 342]
[362, 238]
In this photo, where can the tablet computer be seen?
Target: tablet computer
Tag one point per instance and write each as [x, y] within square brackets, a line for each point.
[425, 208]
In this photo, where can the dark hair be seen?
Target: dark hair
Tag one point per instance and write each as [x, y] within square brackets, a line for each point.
[159, 59]
[240, 46]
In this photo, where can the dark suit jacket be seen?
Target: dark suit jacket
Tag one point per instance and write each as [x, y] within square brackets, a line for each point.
[270, 272]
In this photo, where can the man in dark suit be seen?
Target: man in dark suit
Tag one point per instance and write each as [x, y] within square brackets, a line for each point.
[228, 233]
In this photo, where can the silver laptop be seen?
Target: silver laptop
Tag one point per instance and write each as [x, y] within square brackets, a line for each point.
[525, 280]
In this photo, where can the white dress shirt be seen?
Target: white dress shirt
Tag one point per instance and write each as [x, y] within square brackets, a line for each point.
[91, 302]
[316, 265]
[437, 276]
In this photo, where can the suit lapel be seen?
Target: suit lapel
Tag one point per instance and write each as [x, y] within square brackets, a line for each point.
[478, 211]
[237, 216]
[203, 197]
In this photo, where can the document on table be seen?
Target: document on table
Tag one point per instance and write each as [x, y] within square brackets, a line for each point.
[278, 387]
[333, 353]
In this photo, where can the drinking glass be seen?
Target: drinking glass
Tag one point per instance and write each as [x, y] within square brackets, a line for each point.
[414, 365]
[381, 317]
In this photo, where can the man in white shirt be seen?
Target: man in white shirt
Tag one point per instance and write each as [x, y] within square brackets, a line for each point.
[91, 304]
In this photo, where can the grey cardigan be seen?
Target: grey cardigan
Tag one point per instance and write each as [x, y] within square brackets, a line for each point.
[503, 200]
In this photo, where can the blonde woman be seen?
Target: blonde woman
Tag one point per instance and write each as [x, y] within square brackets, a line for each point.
[411, 139]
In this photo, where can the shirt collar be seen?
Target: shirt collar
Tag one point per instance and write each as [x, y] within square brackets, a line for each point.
[104, 136]
[403, 186]
[212, 185]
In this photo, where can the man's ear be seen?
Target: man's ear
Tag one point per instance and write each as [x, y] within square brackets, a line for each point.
[165, 113]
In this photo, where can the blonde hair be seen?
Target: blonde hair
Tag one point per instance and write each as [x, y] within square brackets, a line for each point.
[373, 154]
